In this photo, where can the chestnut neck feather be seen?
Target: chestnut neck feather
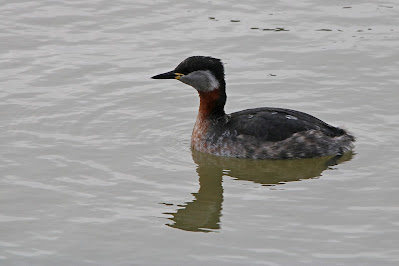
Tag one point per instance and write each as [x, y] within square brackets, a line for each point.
[212, 103]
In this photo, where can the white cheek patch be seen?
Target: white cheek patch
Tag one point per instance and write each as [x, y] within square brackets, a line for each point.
[213, 82]
[201, 80]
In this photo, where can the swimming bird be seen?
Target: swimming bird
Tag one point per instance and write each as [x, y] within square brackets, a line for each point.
[259, 133]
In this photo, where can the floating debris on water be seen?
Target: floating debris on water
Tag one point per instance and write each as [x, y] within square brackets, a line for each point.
[280, 29]
[385, 6]
[276, 29]
[167, 204]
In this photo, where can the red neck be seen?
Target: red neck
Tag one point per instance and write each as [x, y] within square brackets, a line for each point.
[210, 102]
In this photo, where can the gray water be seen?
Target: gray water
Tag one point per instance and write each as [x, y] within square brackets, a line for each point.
[95, 159]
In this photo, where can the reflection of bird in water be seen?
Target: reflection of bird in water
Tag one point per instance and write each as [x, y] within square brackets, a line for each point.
[261, 133]
[270, 172]
[204, 212]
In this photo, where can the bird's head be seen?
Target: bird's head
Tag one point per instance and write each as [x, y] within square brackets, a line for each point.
[203, 73]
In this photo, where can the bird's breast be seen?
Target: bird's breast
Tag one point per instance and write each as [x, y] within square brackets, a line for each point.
[198, 138]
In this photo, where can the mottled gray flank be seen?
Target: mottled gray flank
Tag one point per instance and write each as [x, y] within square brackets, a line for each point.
[305, 144]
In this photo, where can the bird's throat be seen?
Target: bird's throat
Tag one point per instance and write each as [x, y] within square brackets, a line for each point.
[211, 109]
[211, 103]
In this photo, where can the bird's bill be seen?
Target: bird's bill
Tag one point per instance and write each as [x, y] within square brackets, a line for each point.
[168, 75]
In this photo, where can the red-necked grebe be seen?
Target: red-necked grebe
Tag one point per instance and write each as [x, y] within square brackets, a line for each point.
[260, 133]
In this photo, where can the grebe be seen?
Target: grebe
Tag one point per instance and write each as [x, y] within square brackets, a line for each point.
[260, 133]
